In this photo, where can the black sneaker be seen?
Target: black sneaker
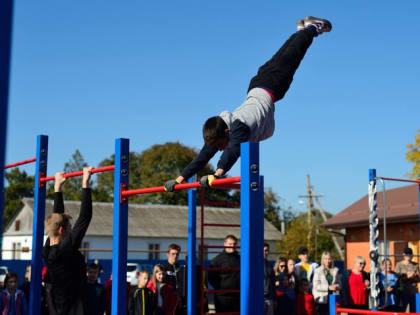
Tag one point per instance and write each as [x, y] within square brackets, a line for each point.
[321, 25]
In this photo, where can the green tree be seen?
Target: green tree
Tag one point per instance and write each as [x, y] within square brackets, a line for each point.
[274, 211]
[413, 156]
[296, 236]
[18, 186]
[153, 167]
[72, 187]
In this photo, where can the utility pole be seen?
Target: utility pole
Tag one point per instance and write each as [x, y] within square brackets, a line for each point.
[324, 217]
[310, 194]
[310, 206]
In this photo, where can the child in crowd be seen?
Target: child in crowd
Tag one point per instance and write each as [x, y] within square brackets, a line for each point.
[291, 272]
[286, 297]
[96, 296]
[142, 300]
[165, 293]
[389, 282]
[254, 119]
[305, 303]
[305, 268]
[12, 300]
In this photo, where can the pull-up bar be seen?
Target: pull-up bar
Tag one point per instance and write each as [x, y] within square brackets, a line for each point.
[20, 163]
[216, 182]
[417, 181]
[80, 173]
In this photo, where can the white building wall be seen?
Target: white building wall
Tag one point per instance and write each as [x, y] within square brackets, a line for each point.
[143, 244]
[102, 242]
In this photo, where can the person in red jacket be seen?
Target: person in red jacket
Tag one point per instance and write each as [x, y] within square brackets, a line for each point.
[305, 302]
[166, 296]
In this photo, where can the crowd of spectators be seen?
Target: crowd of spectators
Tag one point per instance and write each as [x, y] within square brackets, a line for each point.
[301, 288]
[69, 287]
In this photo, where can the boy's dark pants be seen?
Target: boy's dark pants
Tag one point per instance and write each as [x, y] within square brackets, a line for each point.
[277, 74]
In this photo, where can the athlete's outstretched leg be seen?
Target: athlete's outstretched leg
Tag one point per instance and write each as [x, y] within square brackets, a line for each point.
[276, 75]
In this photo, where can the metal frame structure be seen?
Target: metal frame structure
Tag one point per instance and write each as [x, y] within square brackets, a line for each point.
[335, 309]
[6, 17]
[203, 246]
[252, 231]
[374, 233]
[252, 222]
[41, 164]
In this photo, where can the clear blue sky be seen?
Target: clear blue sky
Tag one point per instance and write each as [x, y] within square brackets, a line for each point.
[88, 72]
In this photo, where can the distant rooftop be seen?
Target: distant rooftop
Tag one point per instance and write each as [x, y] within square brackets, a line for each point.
[402, 206]
[144, 220]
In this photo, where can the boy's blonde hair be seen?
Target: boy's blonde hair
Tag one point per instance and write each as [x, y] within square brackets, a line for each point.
[54, 221]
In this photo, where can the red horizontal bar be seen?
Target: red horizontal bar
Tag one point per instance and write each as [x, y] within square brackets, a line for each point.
[359, 311]
[221, 225]
[223, 181]
[417, 181]
[220, 246]
[222, 203]
[80, 173]
[20, 163]
[178, 187]
[221, 269]
[158, 189]
[222, 291]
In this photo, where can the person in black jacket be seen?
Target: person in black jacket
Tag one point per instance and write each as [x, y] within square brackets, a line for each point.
[96, 296]
[269, 283]
[142, 300]
[226, 279]
[174, 276]
[66, 265]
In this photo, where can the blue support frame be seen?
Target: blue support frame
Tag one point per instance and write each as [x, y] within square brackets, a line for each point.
[333, 300]
[418, 295]
[120, 233]
[191, 261]
[252, 232]
[38, 225]
[6, 17]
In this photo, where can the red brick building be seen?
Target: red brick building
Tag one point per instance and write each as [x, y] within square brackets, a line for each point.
[402, 208]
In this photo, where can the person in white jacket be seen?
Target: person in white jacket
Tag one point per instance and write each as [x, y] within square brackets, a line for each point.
[326, 281]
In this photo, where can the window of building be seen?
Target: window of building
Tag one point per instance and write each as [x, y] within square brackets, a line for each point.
[85, 247]
[17, 225]
[17, 248]
[381, 248]
[154, 255]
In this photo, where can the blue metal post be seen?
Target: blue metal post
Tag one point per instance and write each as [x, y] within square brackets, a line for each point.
[419, 206]
[333, 300]
[418, 295]
[252, 232]
[38, 225]
[191, 264]
[6, 14]
[119, 239]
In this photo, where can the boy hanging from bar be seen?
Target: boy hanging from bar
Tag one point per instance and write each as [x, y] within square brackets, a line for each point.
[66, 265]
[254, 119]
